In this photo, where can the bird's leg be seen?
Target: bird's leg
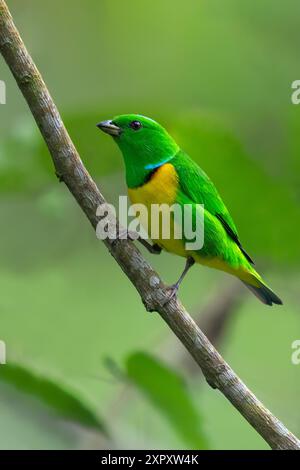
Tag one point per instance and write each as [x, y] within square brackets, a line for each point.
[154, 249]
[174, 288]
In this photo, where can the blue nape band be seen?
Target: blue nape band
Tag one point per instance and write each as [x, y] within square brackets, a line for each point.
[153, 166]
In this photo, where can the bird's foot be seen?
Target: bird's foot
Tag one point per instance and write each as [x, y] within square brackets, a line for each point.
[133, 236]
[154, 249]
[124, 234]
[171, 293]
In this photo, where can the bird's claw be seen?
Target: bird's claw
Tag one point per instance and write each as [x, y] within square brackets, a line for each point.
[171, 293]
[155, 249]
[124, 234]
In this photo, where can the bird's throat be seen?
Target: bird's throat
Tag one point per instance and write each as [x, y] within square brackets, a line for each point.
[137, 176]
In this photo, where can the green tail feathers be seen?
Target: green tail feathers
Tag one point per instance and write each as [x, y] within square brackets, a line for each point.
[264, 294]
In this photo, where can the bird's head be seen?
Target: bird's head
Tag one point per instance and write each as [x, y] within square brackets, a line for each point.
[144, 143]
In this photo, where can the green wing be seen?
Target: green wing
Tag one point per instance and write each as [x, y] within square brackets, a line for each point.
[197, 186]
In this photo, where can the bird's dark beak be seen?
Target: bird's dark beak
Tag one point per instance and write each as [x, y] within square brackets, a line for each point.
[109, 128]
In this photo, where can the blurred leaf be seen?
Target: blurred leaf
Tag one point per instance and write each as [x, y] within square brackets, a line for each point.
[168, 392]
[56, 395]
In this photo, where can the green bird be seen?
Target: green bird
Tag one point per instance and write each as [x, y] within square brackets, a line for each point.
[158, 171]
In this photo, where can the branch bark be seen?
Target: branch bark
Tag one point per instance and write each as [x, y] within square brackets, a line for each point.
[213, 320]
[152, 290]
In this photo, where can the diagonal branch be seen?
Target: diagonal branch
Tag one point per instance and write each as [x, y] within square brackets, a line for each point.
[71, 170]
[213, 319]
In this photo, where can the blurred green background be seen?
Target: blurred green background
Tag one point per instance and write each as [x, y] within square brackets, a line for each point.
[87, 367]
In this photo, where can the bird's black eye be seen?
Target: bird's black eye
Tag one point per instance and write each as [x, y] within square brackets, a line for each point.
[135, 125]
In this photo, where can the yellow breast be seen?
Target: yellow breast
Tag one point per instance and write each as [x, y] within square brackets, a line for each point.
[160, 189]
